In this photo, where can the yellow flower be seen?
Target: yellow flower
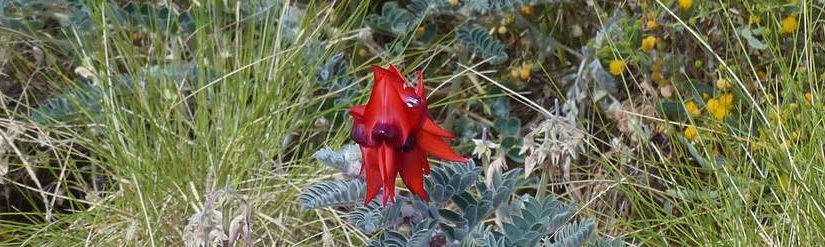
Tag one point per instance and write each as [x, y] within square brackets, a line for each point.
[652, 24]
[713, 104]
[720, 107]
[722, 84]
[527, 10]
[617, 67]
[514, 73]
[754, 20]
[648, 43]
[420, 31]
[685, 4]
[502, 30]
[453, 2]
[691, 133]
[762, 74]
[524, 72]
[726, 100]
[789, 24]
[809, 98]
[716, 109]
[692, 108]
[720, 113]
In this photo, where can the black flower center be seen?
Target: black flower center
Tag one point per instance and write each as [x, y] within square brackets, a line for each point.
[408, 145]
[387, 133]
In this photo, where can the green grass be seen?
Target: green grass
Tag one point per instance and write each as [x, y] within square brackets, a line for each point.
[757, 182]
[244, 124]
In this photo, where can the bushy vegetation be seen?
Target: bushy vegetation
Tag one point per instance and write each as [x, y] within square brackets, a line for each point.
[608, 123]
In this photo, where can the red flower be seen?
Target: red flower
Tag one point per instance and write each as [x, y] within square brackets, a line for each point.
[396, 134]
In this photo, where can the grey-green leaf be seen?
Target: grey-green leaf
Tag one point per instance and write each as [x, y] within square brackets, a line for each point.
[332, 193]
[753, 42]
[481, 43]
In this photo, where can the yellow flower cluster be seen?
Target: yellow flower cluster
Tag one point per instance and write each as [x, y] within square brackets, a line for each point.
[648, 43]
[685, 4]
[527, 10]
[692, 108]
[722, 84]
[789, 25]
[453, 2]
[617, 67]
[522, 72]
[691, 133]
[720, 107]
[754, 20]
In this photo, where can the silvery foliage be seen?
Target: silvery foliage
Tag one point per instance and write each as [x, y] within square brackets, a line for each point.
[396, 20]
[393, 19]
[347, 160]
[332, 77]
[484, 45]
[459, 212]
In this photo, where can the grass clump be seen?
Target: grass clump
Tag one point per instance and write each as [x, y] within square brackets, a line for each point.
[204, 110]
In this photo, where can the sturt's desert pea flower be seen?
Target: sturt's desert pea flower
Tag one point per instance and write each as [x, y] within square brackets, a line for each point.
[396, 134]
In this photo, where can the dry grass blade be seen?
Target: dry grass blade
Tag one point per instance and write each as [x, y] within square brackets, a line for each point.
[8, 136]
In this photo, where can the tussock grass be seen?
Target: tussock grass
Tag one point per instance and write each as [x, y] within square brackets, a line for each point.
[237, 134]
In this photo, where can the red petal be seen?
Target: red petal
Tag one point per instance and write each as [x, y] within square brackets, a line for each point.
[434, 145]
[419, 111]
[426, 168]
[369, 164]
[411, 169]
[357, 111]
[430, 126]
[388, 171]
[397, 74]
[385, 106]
